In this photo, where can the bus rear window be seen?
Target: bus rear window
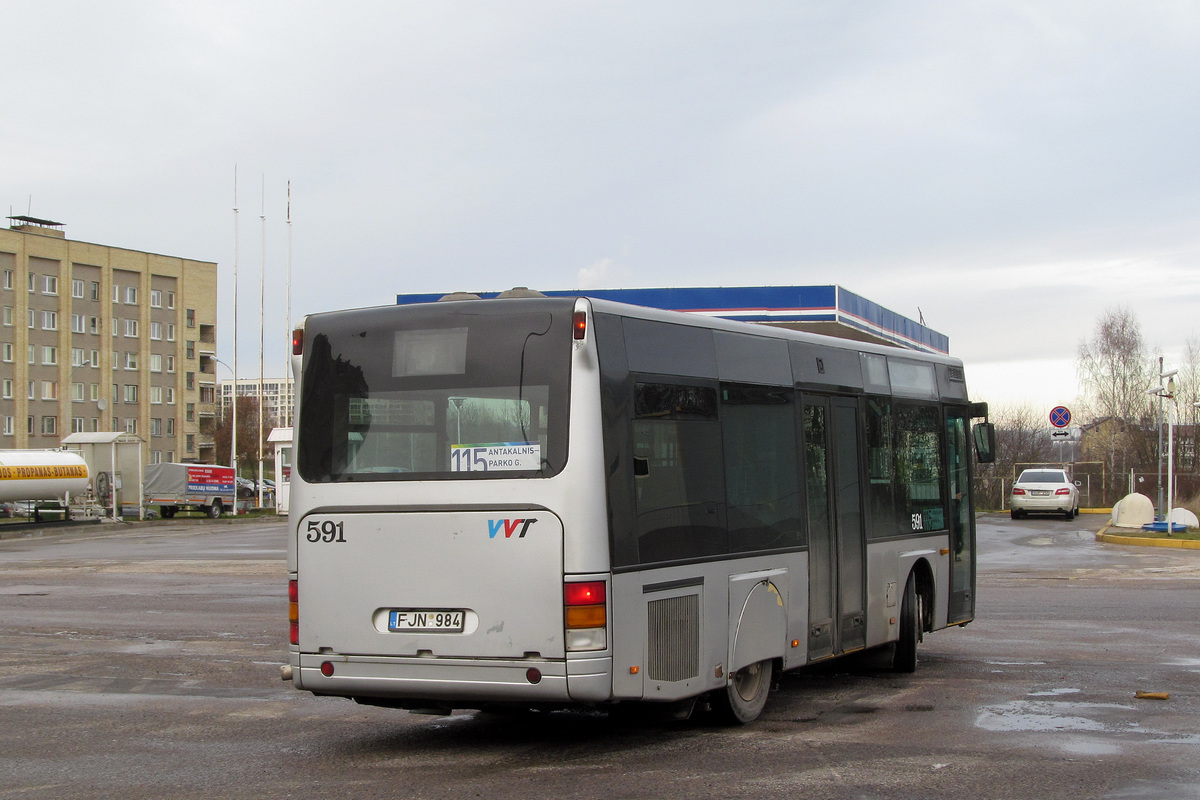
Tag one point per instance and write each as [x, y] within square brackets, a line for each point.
[436, 392]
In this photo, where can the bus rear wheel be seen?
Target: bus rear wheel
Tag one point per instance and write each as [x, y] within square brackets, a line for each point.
[214, 510]
[743, 699]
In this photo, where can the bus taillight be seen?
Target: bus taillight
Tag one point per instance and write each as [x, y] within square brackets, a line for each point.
[294, 612]
[585, 615]
[579, 324]
[298, 342]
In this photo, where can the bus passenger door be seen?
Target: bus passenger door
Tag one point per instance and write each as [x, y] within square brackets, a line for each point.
[962, 517]
[836, 555]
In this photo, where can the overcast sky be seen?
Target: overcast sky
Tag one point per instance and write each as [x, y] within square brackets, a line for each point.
[1009, 169]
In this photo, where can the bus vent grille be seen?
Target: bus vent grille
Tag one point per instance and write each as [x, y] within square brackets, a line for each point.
[674, 633]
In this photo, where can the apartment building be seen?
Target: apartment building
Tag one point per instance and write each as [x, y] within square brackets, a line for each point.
[278, 397]
[98, 338]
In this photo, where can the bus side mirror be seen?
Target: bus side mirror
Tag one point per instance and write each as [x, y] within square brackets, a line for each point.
[985, 442]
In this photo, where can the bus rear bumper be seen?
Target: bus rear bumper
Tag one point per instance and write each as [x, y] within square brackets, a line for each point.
[451, 681]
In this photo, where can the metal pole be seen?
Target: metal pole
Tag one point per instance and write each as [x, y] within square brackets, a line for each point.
[233, 454]
[262, 270]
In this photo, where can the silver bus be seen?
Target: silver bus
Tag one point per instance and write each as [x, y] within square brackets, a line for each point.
[548, 502]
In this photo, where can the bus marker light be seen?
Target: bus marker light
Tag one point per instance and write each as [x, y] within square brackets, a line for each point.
[579, 324]
[298, 342]
[892, 621]
[327, 669]
[634, 670]
[945, 551]
[533, 675]
[795, 642]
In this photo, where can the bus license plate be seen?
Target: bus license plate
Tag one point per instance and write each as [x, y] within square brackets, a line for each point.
[425, 620]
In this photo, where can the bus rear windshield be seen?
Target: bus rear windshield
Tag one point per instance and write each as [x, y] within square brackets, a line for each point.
[442, 391]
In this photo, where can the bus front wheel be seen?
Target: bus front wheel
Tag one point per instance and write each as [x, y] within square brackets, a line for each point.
[904, 658]
[743, 699]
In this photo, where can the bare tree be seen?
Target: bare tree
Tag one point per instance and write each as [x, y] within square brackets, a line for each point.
[247, 434]
[1115, 370]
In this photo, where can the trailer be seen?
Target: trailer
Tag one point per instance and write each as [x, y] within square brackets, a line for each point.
[200, 487]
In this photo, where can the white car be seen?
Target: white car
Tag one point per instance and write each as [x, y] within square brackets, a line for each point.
[1044, 491]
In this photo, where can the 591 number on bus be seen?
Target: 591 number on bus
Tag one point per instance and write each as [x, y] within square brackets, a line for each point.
[326, 531]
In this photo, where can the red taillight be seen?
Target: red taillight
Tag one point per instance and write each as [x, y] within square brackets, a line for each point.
[1017, 490]
[579, 324]
[1063, 491]
[298, 342]
[584, 594]
[294, 612]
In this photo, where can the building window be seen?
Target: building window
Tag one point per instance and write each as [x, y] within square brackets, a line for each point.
[77, 324]
[49, 320]
[32, 394]
[191, 317]
[116, 327]
[32, 280]
[170, 426]
[6, 389]
[76, 424]
[116, 293]
[170, 299]
[49, 355]
[170, 363]
[156, 331]
[94, 325]
[95, 290]
[8, 279]
[155, 362]
[78, 357]
[49, 390]
[8, 352]
[189, 382]
[190, 413]
[170, 456]
[170, 331]
[156, 456]
[131, 295]
[131, 393]
[32, 319]
[170, 396]
[155, 426]
[8, 316]
[77, 393]
[31, 351]
[131, 361]
[49, 426]
[190, 349]
[8, 426]
[95, 425]
[131, 328]
[77, 289]
[156, 394]
[131, 424]
[96, 358]
[94, 392]
[156, 298]
[191, 443]
[50, 284]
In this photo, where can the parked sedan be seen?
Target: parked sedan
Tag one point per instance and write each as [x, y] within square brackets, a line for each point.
[1044, 491]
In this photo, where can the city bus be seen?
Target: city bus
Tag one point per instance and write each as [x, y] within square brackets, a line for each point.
[569, 502]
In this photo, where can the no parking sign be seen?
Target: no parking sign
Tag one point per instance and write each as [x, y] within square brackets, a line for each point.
[1060, 416]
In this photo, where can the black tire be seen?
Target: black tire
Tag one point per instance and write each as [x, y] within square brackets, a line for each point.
[1014, 514]
[904, 657]
[214, 511]
[167, 511]
[742, 700]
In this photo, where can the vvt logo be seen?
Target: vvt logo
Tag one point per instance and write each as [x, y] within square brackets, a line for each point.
[509, 526]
